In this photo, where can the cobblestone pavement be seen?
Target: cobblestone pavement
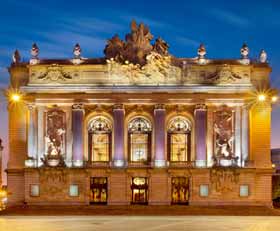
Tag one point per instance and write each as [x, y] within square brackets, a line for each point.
[137, 223]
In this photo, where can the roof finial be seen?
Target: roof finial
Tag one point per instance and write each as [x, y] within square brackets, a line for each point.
[77, 51]
[16, 57]
[201, 51]
[34, 54]
[244, 51]
[263, 56]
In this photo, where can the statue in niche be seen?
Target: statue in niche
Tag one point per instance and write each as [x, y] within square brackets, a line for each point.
[224, 137]
[55, 138]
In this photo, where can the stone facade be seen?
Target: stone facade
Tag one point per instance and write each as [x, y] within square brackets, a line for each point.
[152, 129]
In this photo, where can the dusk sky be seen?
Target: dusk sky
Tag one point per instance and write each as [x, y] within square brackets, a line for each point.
[223, 26]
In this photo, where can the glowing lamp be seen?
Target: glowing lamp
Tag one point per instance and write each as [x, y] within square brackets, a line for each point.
[274, 99]
[15, 97]
[261, 97]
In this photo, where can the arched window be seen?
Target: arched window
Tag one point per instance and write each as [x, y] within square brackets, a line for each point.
[99, 139]
[139, 139]
[179, 139]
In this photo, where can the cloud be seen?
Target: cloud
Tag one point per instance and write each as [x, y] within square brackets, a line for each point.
[187, 41]
[230, 17]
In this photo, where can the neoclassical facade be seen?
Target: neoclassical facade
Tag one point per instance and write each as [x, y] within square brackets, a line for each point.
[139, 126]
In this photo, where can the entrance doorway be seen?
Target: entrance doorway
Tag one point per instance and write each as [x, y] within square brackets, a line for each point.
[99, 190]
[139, 189]
[180, 190]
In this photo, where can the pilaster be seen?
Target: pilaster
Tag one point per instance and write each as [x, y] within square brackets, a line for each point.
[119, 113]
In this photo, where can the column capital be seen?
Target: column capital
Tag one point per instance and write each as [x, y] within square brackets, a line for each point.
[118, 106]
[200, 106]
[31, 106]
[77, 106]
[159, 107]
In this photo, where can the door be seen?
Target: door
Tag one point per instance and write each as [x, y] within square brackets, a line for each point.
[99, 190]
[139, 190]
[180, 190]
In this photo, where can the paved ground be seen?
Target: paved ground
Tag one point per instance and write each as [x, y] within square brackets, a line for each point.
[141, 210]
[139, 223]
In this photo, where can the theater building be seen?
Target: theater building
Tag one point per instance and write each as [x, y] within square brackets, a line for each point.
[139, 126]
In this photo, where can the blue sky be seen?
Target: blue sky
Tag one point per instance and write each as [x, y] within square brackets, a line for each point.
[222, 26]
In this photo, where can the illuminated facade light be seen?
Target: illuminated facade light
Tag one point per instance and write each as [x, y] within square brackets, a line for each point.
[15, 97]
[274, 99]
[261, 97]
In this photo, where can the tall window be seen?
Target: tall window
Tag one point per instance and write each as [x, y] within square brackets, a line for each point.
[99, 139]
[139, 137]
[179, 139]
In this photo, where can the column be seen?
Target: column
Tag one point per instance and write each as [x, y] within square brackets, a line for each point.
[159, 116]
[200, 115]
[244, 135]
[32, 136]
[119, 112]
[238, 134]
[77, 130]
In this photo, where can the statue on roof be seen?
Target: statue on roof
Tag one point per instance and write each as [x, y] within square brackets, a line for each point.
[136, 47]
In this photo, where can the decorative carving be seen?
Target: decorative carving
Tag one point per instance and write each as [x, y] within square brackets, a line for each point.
[16, 57]
[200, 107]
[78, 106]
[223, 75]
[179, 124]
[54, 73]
[159, 69]
[224, 137]
[224, 179]
[54, 138]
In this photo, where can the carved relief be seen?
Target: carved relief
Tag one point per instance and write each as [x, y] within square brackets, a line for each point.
[224, 137]
[224, 74]
[54, 73]
[51, 182]
[224, 179]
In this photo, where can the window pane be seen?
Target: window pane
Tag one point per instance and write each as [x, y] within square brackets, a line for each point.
[179, 147]
[73, 190]
[244, 190]
[34, 190]
[204, 190]
[139, 147]
[100, 147]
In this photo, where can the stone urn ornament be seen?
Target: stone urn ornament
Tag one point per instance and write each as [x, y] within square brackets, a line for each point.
[34, 54]
[77, 51]
[201, 51]
[263, 56]
[244, 51]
